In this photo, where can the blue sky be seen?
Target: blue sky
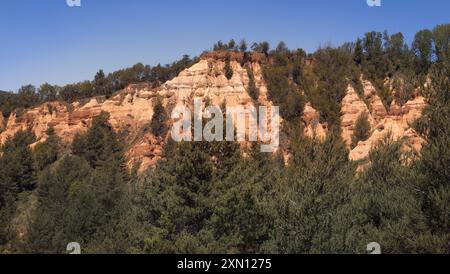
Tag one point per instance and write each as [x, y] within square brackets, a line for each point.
[47, 41]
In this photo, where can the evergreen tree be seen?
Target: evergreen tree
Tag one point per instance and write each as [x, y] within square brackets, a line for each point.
[17, 167]
[361, 132]
[48, 92]
[99, 83]
[228, 69]
[159, 119]
[243, 45]
[252, 89]
[358, 55]
[232, 45]
[103, 202]
[85, 199]
[434, 163]
[384, 207]
[283, 94]
[332, 69]
[48, 230]
[423, 50]
[441, 38]
[28, 96]
[243, 207]
[99, 144]
[262, 47]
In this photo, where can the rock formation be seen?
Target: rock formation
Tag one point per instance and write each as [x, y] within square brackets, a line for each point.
[131, 109]
[377, 109]
[396, 122]
[311, 121]
[352, 107]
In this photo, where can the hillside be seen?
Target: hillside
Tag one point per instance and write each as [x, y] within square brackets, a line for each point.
[363, 154]
[131, 110]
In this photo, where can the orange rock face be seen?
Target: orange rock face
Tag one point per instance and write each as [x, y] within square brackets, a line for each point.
[127, 110]
[311, 120]
[352, 107]
[377, 109]
[396, 123]
[146, 152]
[131, 110]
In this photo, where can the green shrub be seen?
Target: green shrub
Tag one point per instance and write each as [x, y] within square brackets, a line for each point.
[361, 132]
[228, 69]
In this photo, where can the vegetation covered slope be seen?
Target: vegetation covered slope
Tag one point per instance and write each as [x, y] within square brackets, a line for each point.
[208, 197]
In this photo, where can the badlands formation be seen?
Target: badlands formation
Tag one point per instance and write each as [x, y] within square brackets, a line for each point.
[132, 108]
[396, 122]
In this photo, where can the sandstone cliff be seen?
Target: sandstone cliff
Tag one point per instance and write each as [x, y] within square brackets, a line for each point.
[396, 122]
[311, 121]
[131, 110]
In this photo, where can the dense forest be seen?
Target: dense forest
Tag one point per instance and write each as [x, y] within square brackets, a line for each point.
[207, 197]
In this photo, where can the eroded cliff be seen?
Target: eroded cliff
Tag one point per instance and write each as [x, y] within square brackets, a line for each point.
[131, 110]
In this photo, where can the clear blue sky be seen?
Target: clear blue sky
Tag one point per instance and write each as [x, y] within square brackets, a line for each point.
[47, 41]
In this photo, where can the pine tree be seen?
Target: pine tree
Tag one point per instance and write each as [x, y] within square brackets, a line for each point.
[434, 163]
[317, 185]
[244, 208]
[361, 132]
[99, 144]
[16, 165]
[332, 69]
[159, 119]
[358, 54]
[46, 153]
[175, 203]
[252, 89]
[48, 231]
[228, 69]
[423, 51]
[17, 175]
[99, 84]
[384, 207]
[90, 187]
[243, 45]
[283, 94]
[102, 201]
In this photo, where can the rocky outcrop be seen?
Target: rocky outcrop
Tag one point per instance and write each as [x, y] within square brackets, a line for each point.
[377, 109]
[205, 79]
[352, 107]
[396, 124]
[131, 109]
[311, 122]
[39, 119]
